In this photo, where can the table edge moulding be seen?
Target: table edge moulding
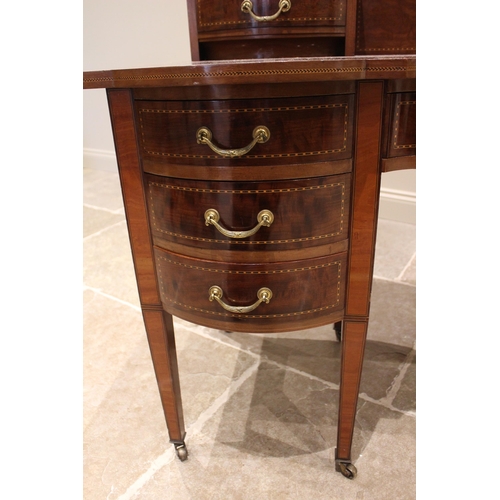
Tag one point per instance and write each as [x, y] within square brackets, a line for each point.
[369, 81]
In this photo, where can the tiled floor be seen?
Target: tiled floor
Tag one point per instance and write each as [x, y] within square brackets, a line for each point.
[260, 410]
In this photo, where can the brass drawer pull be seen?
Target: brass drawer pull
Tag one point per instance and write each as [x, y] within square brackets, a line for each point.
[284, 6]
[264, 218]
[215, 292]
[260, 134]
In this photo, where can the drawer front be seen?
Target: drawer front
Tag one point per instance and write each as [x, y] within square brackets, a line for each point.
[401, 140]
[304, 293]
[299, 130]
[387, 27]
[300, 213]
[217, 15]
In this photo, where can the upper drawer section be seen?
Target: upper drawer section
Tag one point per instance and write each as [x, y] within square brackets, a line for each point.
[217, 15]
[246, 132]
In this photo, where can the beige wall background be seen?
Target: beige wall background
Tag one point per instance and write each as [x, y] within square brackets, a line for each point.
[130, 34]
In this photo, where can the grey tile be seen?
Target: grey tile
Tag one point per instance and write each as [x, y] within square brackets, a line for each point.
[124, 425]
[384, 444]
[275, 438]
[102, 189]
[206, 369]
[405, 398]
[394, 249]
[381, 367]
[317, 353]
[111, 332]
[108, 266]
[410, 274]
[95, 220]
[393, 313]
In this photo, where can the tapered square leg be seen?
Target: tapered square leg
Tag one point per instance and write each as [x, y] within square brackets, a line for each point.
[160, 331]
[353, 348]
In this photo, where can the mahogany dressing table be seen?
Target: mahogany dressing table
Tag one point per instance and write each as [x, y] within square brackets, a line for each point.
[251, 187]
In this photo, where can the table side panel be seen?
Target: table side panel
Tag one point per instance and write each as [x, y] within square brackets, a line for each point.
[124, 133]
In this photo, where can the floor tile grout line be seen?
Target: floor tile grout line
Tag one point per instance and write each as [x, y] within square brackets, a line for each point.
[396, 383]
[220, 341]
[103, 230]
[385, 404]
[112, 297]
[193, 430]
[116, 211]
[394, 280]
[330, 385]
[401, 274]
[334, 386]
[160, 461]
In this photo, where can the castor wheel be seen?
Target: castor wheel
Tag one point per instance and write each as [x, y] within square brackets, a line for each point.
[347, 469]
[181, 451]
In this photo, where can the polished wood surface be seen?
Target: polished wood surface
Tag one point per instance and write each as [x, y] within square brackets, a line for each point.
[309, 212]
[301, 130]
[305, 292]
[320, 46]
[401, 132]
[365, 195]
[353, 348]
[251, 72]
[161, 339]
[217, 15]
[128, 157]
[365, 198]
[385, 27]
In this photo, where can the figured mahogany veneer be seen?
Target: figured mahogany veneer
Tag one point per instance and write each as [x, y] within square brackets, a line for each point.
[305, 292]
[402, 129]
[307, 213]
[385, 27]
[222, 15]
[301, 130]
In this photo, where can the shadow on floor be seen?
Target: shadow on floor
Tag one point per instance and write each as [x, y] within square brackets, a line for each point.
[290, 406]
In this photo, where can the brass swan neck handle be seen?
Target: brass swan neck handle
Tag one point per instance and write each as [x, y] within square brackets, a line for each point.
[264, 218]
[260, 134]
[284, 6]
[263, 295]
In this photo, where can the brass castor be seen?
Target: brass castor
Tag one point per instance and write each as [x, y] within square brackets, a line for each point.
[347, 469]
[181, 451]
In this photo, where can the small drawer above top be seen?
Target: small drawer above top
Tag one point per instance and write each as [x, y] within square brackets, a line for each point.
[253, 132]
[217, 15]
